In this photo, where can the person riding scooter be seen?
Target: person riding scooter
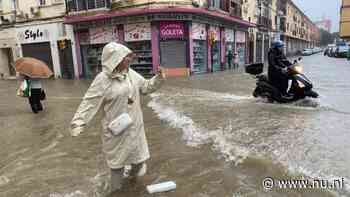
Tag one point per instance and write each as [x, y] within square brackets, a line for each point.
[278, 68]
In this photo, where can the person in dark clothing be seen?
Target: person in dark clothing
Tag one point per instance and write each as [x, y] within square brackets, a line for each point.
[34, 100]
[36, 93]
[229, 58]
[278, 67]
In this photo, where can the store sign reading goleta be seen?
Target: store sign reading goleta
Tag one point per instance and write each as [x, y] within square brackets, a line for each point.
[172, 30]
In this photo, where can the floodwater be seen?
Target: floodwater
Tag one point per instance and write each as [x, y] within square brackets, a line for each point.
[205, 132]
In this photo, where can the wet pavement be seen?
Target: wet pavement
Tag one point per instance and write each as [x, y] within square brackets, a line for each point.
[206, 133]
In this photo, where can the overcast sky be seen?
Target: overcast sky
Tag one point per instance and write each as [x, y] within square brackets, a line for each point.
[315, 9]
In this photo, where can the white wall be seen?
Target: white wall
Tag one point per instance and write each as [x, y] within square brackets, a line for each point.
[50, 10]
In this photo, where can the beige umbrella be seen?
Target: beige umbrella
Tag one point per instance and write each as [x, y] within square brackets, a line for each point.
[33, 68]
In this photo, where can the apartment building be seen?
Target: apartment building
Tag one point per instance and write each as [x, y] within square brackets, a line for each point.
[277, 20]
[345, 20]
[34, 28]
[183, 36]
[298, 31]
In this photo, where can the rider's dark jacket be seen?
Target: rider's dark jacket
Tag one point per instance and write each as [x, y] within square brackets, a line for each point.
[277, 61]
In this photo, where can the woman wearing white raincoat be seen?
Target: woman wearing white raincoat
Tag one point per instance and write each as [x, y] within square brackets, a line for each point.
[117, 91]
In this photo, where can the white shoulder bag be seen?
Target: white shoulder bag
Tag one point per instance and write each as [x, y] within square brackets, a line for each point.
[120, 124]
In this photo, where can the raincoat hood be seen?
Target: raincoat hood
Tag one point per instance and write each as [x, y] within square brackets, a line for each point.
[112, 55]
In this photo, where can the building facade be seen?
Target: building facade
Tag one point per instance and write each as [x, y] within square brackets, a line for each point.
[263, 14]
[183, 36]
[298, 31]
[32, 28]
[278, 20]
[345, 20]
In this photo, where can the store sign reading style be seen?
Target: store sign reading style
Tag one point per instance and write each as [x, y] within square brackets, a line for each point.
[34, 35]
[172, 30]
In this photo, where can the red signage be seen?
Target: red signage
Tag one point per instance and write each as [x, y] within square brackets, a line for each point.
[172, 30]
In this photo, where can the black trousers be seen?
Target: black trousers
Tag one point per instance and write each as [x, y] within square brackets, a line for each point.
[280, 81]
[34, 100]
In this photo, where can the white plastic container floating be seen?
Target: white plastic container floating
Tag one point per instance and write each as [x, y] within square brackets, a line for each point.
[161, 187]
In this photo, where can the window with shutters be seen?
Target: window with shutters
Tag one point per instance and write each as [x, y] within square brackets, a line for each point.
[215, 4]
[42, 2]
[79, 5]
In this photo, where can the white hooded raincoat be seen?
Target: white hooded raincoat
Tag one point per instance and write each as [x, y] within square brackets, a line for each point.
[110, 91]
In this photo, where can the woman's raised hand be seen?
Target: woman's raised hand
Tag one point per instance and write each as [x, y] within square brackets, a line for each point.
[161, 72]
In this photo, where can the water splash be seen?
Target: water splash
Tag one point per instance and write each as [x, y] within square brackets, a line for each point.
[194, 135]
[73, 194]
[4, 180]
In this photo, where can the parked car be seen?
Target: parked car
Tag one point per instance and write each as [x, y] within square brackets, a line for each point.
[317, 50]
[307, 52]
[342, 50]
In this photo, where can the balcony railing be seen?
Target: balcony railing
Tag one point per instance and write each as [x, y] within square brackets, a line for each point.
[265, 22]
[81, 5]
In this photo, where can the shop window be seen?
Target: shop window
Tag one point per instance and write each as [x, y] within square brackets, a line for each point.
[235, 9]
[200, 56]
[216, 56]
[92, 54]
[143, 64]
[94, 4]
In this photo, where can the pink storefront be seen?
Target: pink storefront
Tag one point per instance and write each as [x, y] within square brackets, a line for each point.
[184, 41]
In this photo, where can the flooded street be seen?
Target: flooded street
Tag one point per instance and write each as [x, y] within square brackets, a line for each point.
[205, 132]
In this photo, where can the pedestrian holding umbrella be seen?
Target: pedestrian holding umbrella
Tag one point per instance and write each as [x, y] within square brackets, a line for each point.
[31, 71]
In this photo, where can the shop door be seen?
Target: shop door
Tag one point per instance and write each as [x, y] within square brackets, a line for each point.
[173, 54]
[11, 63]
[216, 57]
[259, 49]
[266, 48]
[66, 61]
[41, 51]
[251, 51]
[230, 50]
[200, 56]
[241, 53]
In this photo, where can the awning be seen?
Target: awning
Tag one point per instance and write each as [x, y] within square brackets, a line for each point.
[143, 11]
